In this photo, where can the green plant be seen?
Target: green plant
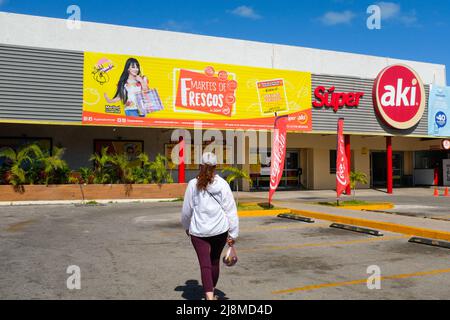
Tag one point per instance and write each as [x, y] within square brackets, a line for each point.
[143, 174]
[355, 178]
[103, 172]
[159, 171]
[22, 166]
[122, 168]
[86, 174]
[73, 180]
[55, 169]
[234, 174]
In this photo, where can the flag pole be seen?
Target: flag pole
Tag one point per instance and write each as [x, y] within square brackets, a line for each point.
[274, 126]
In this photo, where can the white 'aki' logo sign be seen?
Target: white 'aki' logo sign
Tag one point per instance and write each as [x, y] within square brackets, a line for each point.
[399, 97]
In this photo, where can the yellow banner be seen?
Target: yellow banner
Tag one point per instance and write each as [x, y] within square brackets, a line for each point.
[146, 91]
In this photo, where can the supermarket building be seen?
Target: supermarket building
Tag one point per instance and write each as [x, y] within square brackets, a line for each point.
[44, 97]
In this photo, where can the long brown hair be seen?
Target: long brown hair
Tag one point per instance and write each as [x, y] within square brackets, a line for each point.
[205, 177]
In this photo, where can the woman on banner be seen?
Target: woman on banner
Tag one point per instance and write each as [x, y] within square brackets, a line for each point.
[131, 85]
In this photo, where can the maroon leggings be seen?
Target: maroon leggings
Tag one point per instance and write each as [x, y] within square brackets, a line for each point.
[208, 252]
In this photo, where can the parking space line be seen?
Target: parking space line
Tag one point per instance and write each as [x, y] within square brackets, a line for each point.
[360, 281]
[285, 227]
[322, 244]
[19, 226]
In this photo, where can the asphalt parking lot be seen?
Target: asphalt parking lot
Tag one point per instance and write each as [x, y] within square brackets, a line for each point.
[139, 251]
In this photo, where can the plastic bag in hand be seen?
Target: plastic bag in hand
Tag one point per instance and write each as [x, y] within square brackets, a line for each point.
[230, 258]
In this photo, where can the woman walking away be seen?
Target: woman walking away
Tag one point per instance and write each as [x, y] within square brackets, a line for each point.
[209, 217]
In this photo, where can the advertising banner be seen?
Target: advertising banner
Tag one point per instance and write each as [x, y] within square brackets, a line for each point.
[342, 174]
[157, 92]
[439, 112]
[278, 154]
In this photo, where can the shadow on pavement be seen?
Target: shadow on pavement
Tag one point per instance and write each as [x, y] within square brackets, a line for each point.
[192, 290]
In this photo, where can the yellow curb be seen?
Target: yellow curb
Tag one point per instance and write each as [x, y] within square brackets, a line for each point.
[387, 226]
[378, 206]
[261, 213]
[375, 206]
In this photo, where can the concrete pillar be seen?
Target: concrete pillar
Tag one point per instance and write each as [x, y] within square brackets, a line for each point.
[389, 166]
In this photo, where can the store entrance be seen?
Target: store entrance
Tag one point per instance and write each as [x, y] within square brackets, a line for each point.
[291, 173]
[378, 169]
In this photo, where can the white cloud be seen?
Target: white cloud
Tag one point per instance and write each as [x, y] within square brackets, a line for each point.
[245, 12]
[393, 11]
[332, 18]
[389, 10]
[409, 19]
[172, 25]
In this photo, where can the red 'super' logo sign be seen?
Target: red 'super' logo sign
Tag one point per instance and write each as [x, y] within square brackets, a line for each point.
[399, 96]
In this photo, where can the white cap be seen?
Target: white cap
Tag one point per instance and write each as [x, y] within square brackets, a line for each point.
[209, 158]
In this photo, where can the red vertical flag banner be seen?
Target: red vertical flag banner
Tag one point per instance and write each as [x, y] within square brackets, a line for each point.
[278, 154]
[342, 173]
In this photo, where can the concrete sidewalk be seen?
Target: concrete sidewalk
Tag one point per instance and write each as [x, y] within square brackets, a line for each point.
[412, 226]
[415, 202]
[372, 216]
[331, 194]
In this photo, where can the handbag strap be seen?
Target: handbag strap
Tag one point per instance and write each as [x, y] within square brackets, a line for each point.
[216, 200]
[219, 205]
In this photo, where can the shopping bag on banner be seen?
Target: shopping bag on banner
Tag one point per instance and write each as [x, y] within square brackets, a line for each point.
[148, 102]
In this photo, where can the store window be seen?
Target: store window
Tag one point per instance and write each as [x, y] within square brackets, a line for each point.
[333, 156]
[16, 143]
[428, 159]
[260, 172]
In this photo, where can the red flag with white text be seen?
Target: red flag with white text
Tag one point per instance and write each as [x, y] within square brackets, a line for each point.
[278, 154]
[342, 173]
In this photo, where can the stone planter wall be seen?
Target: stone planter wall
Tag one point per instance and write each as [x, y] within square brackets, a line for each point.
[92, 192]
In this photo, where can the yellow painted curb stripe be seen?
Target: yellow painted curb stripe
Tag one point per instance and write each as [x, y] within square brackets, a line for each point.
[346, 283]
[321, 244]
[381, 206]
[261, 213]
[393, 227]
[284, 227]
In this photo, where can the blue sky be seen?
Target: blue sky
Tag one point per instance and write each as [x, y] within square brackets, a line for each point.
[411, 29]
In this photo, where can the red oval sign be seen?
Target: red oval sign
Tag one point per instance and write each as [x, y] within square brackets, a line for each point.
[399, 96]
[446, 144]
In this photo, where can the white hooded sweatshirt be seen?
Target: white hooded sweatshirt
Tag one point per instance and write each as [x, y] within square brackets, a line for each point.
[205, 217]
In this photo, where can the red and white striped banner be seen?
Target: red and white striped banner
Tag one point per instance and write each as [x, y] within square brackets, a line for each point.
[342, 174]
[278, 154]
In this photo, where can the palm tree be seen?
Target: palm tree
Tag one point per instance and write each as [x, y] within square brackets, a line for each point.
[123, 168]
[158, 168]
[236, 173]
[22, 163]
[55, 169]
[355, 178]
[143, 174]
[102, 162]
[85, 174]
